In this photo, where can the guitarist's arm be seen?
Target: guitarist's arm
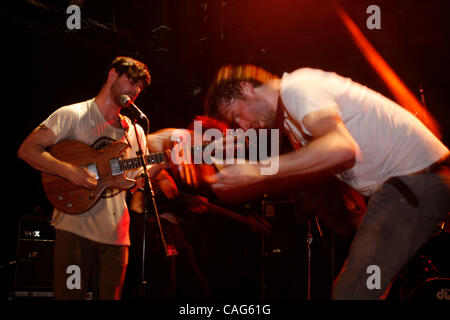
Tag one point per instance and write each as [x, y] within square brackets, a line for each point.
[160, 140]
[33, 151]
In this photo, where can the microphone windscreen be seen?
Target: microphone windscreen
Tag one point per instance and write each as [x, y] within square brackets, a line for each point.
[124, 100]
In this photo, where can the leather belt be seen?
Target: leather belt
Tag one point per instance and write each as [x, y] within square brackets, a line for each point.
[406, 191]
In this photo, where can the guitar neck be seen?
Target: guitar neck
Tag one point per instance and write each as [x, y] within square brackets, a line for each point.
[154, 158]
[134, 163]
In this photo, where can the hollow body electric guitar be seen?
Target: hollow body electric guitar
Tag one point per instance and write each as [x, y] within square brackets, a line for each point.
[107, 165]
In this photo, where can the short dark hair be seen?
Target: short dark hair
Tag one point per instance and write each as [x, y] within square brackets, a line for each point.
[135, 70]
[226, 85]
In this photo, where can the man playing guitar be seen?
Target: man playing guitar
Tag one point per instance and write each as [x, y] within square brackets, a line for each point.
[96, 241]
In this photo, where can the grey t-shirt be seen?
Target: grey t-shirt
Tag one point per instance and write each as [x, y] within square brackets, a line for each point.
[108, 221]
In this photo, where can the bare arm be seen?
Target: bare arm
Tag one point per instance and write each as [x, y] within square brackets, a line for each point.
[160, 141]
[333, 148]
[33, 151]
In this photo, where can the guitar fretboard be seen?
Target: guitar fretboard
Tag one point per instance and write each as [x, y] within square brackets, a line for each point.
[154, 158]
[134, 163]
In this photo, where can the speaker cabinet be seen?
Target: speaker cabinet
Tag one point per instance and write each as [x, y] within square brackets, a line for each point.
[35, 254]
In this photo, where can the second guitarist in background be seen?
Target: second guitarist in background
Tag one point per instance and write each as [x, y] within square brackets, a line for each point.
[97, 240]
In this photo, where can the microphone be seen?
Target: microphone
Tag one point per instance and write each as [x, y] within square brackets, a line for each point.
[126, 102]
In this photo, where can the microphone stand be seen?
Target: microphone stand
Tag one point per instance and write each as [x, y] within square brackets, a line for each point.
[309, 241]
[148, 194]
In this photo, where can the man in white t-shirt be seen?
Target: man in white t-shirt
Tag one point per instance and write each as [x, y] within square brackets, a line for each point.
[368, 141]
[97, 240]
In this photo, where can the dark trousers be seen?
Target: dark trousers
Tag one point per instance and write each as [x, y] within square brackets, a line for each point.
[82, 265]
[391, 232]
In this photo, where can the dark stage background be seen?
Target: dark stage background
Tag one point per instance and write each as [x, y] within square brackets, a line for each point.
[44, 66]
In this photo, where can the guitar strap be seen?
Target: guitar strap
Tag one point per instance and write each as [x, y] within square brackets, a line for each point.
[284, 114]
[125, 127]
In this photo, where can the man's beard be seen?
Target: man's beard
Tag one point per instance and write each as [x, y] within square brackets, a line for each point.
[266, 116]
[117, 92]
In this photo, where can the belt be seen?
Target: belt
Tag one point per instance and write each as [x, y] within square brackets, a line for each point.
[406, 191]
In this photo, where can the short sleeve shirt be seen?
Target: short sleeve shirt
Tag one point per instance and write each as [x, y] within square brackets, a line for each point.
[108, 221]
[391, 141]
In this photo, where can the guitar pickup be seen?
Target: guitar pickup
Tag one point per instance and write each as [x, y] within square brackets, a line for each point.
[114, 164]
[92, 168]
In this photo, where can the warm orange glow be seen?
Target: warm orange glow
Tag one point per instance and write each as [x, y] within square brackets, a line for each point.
[401, 93]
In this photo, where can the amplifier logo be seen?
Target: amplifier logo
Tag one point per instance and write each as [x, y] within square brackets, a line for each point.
[35, 234]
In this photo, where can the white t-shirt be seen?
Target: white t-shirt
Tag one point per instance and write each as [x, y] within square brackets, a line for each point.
[392, 141]
[108, 221]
